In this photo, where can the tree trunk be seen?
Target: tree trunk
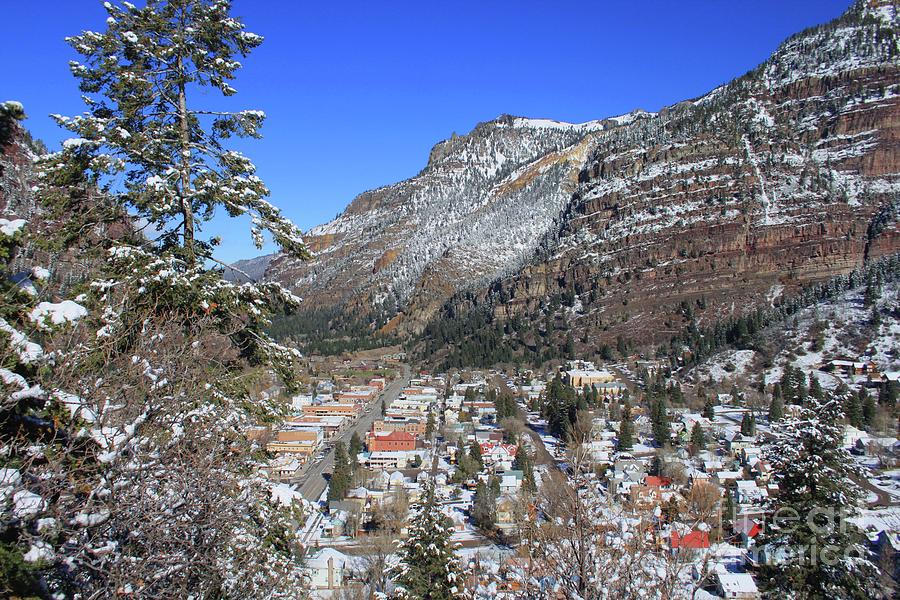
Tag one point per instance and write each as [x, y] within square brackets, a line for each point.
[187, 211]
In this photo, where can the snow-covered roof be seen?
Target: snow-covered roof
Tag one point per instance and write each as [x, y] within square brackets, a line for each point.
[737, 583]
[320, 559]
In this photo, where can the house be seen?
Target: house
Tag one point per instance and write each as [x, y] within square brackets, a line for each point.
[712, 466]
[283, 468]
[626, 474]
[508, 508]
[662, 483]
[510, 481]
[388, 460]
[852, 367]
[301, 449]
[737, 585]
[332, 409]
[695, 540]
[747, 529]
[328, 569]
[747, 492]
[328, 425]
[724, 478]
[852, 435]
[302, 434]
[499, 455]
[738, 442]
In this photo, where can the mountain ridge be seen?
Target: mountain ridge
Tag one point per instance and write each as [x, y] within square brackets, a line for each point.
[554, 210]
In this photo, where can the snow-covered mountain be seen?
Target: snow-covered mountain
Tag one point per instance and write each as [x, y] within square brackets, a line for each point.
[480, 209]
[785, 176]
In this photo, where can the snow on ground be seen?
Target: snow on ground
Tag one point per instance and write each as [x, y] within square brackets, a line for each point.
[872, 522]
[57, 313]
[726, 365]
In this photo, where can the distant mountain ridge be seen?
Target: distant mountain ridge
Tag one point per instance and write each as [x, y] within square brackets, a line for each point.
[248, 269]
[785, 176]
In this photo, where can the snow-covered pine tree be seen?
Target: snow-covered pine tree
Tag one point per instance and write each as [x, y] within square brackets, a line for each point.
[428, 568]
[823, 555]
[145, 481]
[21, 401]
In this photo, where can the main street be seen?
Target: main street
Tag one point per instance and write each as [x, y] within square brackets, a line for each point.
[312, 483]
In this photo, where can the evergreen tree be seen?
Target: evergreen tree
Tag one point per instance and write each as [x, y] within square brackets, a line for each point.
[868, 410]
[484, 507]
[776, 408]
[748, 425]
[854, 411]
[383, 407]
[341, 478]
[475, 454]
[356, 446]
[626, 429]
[428, 568]
[814, 473]
[776, 391]
[815, 388]
[887, 394]
[494, 485]
[522, 463]
[728, 512]
[143, 128]
[429, 425]
[875, 319]
[561, 407]
[709, 409]
[793, 385]
[158, 373]
[621, 346]
[698, 437]
[659, 420]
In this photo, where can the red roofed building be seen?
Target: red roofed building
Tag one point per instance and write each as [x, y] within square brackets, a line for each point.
[747, 527]
[493, 452]
[391, 442]
[658, 482]
[695, 540]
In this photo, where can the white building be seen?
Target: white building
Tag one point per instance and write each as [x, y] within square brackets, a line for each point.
[328, 569]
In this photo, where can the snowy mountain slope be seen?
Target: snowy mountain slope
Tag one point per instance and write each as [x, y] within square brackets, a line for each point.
[480, 208]
[250, 268]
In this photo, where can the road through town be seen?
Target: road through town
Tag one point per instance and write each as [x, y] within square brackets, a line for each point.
[312, 483]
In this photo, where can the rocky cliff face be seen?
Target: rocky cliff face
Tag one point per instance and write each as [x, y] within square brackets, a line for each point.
[482, 207]
[785, 176]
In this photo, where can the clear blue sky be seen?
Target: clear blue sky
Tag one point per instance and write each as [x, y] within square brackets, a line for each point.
[357, 93]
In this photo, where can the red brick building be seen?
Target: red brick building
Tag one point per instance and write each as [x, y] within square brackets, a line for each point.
[391, 442]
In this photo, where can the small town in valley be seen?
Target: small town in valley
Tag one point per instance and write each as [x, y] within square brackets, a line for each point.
[685, 462]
